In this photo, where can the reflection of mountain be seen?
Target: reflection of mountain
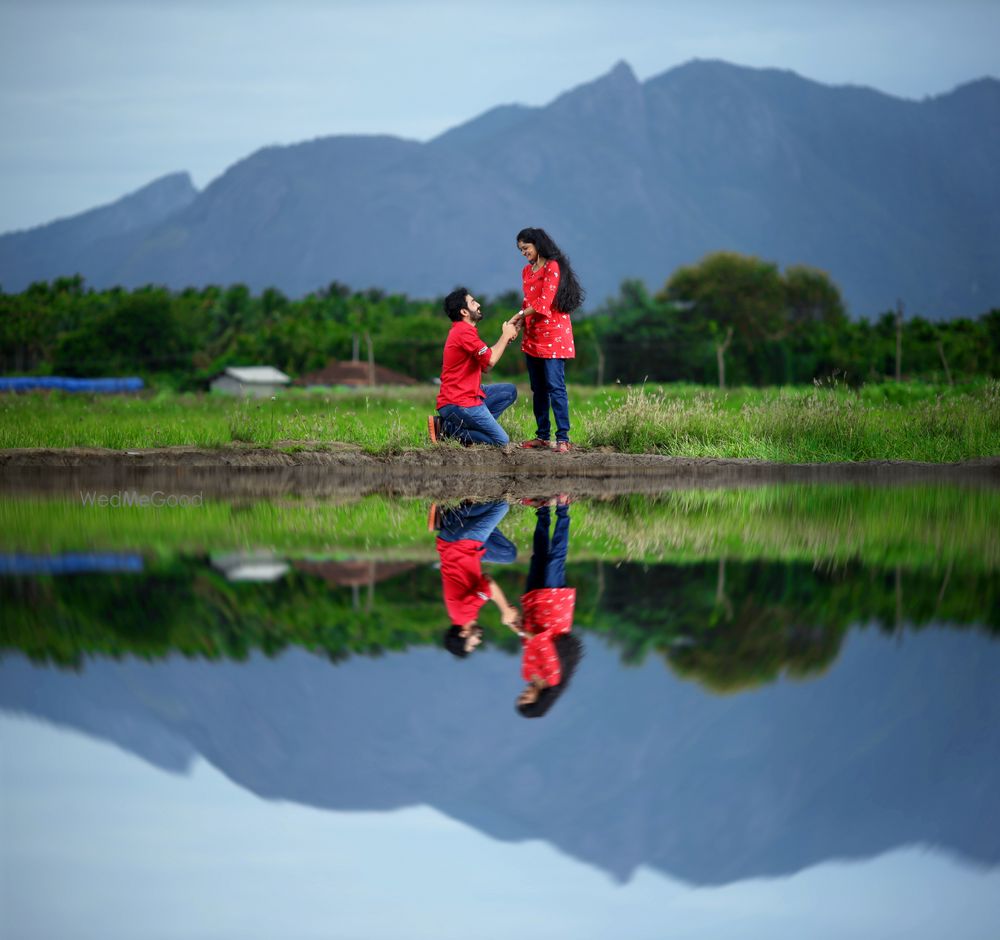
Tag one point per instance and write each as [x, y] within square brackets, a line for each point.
[896, 745]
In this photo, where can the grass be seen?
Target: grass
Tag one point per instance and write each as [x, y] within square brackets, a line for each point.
[915, 526]
[812, 424]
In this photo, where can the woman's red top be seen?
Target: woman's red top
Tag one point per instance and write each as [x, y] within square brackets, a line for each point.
[548, 333]
[546, 613]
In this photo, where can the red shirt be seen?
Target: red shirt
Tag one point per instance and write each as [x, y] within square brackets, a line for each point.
[547, 613]
[548, 333]
[464, 587]
[466, 357]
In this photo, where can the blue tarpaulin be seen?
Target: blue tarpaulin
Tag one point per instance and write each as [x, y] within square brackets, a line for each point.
[69, 563]
[29, 383]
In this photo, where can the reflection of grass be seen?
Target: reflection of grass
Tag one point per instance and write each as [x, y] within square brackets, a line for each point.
[914, 525]
[905, 422]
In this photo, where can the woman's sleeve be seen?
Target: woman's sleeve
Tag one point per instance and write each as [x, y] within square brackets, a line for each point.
[550, 287]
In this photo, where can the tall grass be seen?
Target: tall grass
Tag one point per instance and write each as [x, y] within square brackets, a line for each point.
[812, 425]
[913, 526]
[829, 423]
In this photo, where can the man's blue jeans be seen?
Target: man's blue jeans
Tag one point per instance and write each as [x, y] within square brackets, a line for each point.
[478, 425]
[548, 388]
[478, 522]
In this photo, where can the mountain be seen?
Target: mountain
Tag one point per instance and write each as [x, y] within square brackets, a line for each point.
[88, 242]
[896, 745]
[894, 198]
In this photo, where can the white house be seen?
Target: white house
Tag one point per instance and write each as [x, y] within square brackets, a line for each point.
[250, 381]
[250, 566]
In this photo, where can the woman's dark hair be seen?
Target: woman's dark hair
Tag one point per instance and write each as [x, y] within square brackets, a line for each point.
[570, 294]
[454, 642]
[454, 303]
[569, 649]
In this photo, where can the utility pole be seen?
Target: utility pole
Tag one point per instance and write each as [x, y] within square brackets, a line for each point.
[371, 358]
[944, 361]
[899, 340]
[720, 356]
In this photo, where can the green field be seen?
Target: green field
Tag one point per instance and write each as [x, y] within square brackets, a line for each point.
[910, 421]
[917, 526]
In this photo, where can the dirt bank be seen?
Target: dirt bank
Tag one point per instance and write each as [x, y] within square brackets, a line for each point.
[445, 472]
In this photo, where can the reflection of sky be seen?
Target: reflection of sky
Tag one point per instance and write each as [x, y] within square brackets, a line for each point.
[97, 843]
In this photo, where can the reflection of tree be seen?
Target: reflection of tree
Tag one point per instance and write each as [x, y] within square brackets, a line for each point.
[731, 625]
[725, 623]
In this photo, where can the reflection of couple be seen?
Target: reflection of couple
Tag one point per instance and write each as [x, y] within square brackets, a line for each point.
[549, 652]
[466, 410]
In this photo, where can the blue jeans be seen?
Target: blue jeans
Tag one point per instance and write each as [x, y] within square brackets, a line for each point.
[478, 522]
[478, 424]
[548, 556]
[548, 388]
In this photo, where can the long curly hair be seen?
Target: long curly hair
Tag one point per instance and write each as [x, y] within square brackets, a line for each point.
[569, 649]
[570, 294]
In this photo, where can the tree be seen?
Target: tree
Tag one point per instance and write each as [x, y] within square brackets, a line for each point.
[734, 290]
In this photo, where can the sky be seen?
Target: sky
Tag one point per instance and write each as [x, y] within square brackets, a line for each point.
[129, 850]
[100, 97]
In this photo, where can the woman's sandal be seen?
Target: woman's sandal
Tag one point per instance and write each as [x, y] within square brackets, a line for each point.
[536, 443]
[562, 447]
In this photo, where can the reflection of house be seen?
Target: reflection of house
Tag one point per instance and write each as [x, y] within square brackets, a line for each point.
[355, 574]
[250, 566]
[354, 374]
[250, 381]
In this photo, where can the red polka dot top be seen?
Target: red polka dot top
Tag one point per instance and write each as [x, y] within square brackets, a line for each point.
[547, 613]
[548, 333]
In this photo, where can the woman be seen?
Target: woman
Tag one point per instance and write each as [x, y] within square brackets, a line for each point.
[551, 294]
[550, 653]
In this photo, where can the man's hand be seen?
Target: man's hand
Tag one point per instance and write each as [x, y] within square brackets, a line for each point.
[511, 617]
[509, 330]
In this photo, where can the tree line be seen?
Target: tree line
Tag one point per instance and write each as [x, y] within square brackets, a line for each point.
[730, 319]
[728, 625]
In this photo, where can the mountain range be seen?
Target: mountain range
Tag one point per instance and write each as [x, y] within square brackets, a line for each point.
[895, 746]
[895, 199]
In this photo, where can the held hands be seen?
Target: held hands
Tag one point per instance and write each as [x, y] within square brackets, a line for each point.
[511, 617]
[510, 328]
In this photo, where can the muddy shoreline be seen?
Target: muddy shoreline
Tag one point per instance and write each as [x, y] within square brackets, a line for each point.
[447, 472]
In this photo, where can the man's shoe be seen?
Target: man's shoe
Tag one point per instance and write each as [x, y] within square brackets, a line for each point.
[536, 443]
[434, 428]
[434, 518]
[562, 447]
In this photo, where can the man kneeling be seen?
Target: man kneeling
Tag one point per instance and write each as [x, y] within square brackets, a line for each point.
[468, 411]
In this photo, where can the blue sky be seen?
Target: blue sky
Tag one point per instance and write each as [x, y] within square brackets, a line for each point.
[99, 97]
[126, 847]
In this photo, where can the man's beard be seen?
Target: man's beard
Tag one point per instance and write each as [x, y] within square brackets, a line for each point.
[476, 315]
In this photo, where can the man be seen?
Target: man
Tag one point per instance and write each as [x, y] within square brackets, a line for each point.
[466, 410]
[468, 536]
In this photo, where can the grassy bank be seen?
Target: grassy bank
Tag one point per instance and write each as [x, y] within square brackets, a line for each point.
[914, 526]
[813, 424]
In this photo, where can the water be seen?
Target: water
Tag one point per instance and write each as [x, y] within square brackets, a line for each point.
[239, 720]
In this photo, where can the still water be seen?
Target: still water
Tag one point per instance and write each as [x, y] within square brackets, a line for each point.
[779, 716]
